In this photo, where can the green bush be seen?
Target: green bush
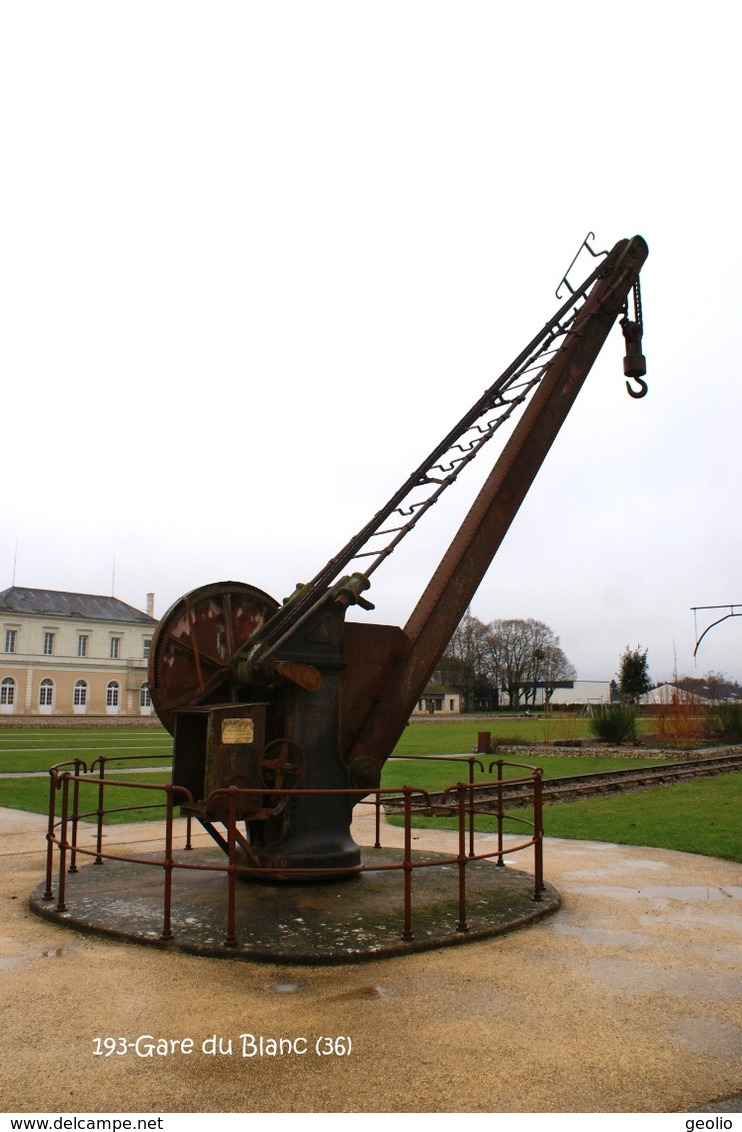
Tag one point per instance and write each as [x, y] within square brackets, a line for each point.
[614, 723]
[725, 721]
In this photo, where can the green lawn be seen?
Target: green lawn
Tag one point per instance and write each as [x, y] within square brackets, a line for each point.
[459, 736]
[699, 817]
[38, 748]
[34, 750]
[32, 794]
[694, 817]
[704, 816]
[428, 773]
[437, 773]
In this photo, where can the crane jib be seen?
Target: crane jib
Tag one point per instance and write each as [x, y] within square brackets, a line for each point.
[461, 445]
[293, 707]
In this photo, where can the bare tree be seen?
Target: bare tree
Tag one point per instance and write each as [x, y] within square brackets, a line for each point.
[462, 665]
[509, 657]
[524, 656]
[514, 656]
[713, 686]
[556, 669]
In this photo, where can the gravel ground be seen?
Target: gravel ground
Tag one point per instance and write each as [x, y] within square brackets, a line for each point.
[629, 999]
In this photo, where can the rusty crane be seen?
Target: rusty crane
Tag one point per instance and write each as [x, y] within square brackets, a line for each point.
[273, 697]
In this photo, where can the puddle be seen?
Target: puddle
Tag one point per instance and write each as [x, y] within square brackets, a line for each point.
[658, 892]
[359, 992]
[703, 919]
[617, 976]
[10, 961]
[286, 988]
[602, 935]
[628, 867]
[710, 1036]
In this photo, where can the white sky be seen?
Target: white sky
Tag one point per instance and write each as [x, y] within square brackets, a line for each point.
[258, 258]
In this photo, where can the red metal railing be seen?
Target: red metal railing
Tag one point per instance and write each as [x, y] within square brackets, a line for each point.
[464, 801]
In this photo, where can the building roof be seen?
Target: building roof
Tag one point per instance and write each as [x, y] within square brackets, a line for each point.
[59, 603]
[668, 693]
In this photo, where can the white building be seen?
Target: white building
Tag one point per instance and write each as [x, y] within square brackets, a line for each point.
[586, 692]
[671, 694]
[438, 703]
[73, 654]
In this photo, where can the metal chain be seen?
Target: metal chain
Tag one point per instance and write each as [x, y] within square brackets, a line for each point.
[638, 306]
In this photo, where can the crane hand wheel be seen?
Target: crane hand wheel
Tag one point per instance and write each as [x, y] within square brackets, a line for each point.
[195, 641]
[282, 765]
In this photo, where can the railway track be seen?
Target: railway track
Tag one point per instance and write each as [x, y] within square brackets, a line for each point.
[575, 786]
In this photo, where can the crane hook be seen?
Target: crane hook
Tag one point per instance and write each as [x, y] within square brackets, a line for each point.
[634, 363]
[637, 393]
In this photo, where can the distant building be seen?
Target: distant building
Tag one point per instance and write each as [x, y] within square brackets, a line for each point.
[672, 694]
[585, 692]
[567, 692]
[73, 654]
[436, 700]
[438, 703]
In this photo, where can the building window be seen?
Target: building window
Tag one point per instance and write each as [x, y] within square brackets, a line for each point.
[112, 694]
[115, 647]
[7, 692]
[46, 693]
[48, 644]
[80, 694]
[82, 644]
[145, 647]
[10, 639]
[145, 699]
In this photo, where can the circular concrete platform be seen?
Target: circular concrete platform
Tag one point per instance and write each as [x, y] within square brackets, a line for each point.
[345, 921]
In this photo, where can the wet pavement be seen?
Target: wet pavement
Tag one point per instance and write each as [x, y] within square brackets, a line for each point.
[627, 999]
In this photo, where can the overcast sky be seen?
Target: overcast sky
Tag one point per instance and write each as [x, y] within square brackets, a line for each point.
[257, 259]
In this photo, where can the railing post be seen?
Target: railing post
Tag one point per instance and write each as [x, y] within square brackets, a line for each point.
[538, 833]
[61, 906]
[168, 864]
[407, 863]
[462, 925]
[231, 937]
[471, 806]
[75, 811]
[500, 816]
[53, 787]
[377, 807]
[100, 812]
